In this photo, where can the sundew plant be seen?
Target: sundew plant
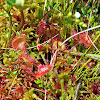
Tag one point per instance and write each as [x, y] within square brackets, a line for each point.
[49, 50]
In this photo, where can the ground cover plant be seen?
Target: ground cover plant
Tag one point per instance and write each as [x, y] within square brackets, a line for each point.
[49, 50]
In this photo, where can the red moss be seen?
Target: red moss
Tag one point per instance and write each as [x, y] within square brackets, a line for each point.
[28, 70]
[96, 88]
[19, 89]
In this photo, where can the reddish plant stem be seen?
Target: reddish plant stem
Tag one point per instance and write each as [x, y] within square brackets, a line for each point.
[58, 82]
[22, 20]
[47, 57]
[46, 14]
[77, 89]
[72, 48]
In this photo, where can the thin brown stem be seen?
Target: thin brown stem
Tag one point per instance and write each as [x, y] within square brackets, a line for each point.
[22, 20]
[77, 89]
[87, 3]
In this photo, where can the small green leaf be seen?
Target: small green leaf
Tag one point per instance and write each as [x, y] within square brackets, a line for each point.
[84, 25]
[81, 23]
[69, 14]
[98, 32]
[54, 92]
[59, 91]
[46, 9]
[3, 14]
[40, 13]
[77, 20]
[40, 85]
[8, 76]
[83, 11]
[14, 72]
[50, 87]
[9, 72]
[88, 12]
[92, 19]
[38, 81]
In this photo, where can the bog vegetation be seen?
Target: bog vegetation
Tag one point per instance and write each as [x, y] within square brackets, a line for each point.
[49, 50]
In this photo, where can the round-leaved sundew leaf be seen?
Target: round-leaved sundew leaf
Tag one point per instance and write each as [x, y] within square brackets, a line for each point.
[42, 70]
[73, 33]
[19, 43]
[85, 39]
[42, 28]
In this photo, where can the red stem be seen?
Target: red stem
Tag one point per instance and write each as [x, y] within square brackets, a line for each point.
[73, 48]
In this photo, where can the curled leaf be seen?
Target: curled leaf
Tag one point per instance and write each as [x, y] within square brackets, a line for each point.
[42, 70]
[19, 42]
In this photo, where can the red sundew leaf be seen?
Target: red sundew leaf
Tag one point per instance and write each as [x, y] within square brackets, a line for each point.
[26, 58]
[23, 32]
[56, 44]
[19, 42]
[42, 28]
[85, 39]
[42, 70]
[40, 66]
[28, 70]
[40, 47]
[73, 33]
